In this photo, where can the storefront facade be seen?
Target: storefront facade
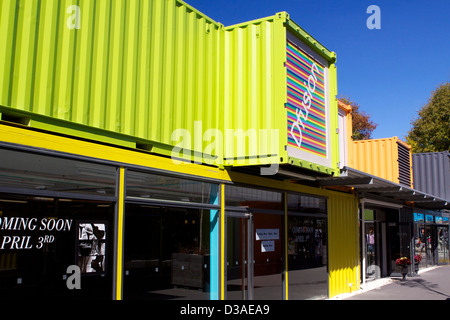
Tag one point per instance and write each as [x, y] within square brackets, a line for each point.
[136, 165]
[431, 238]
[382, 241]
[389, 233]
[95, 200]
[53, 218]
[86, 220]
[396, 221]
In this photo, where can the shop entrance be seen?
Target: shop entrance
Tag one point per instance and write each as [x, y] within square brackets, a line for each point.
[432, 244]
[431, 239]
[239, 256]
[254, 244]
[375, 240]
[373, 230]
[442, 245]
[253, 256]
[430, 234]
[385, 240]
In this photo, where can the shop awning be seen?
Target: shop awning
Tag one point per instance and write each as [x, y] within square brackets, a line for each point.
[384, 190]
[366, 185]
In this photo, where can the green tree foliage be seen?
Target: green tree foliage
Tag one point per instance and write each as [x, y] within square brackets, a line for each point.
[363, 127]
[430, 131]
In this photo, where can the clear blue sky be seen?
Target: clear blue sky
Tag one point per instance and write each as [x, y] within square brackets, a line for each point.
[390, 72]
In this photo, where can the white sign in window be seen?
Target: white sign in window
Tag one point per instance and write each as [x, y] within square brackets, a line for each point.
[267, 234]
[268, 246]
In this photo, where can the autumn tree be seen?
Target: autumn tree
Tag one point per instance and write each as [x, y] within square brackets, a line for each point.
[430, 131]
[363, 126]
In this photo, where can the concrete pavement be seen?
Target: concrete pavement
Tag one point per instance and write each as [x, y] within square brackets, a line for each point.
[430, 284]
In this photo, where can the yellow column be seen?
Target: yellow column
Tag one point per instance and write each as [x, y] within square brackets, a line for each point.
[286, 245]
[119, 239]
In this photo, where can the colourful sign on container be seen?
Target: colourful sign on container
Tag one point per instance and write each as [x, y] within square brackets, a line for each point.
[306, 107]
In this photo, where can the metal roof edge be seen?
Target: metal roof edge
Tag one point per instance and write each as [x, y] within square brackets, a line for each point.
[444, 152]
[255, 21]
[218, 24]
[364, 182]
[298, 31]
[330, 56]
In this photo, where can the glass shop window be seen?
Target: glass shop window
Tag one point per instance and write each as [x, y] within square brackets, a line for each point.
[306, 204]
[237, 196]
[41, 173]
[55, 248]
[167, 253]
[267, 237]
[159, 187]
[307, 247]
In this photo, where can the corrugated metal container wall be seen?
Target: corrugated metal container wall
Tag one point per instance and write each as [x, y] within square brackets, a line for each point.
[375, 157]
[432, 173]
[381, 158]
[138, 68]
[256, 92]
[343, 243]
[255, 83]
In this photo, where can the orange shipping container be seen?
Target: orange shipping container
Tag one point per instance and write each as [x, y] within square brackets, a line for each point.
[388, 158]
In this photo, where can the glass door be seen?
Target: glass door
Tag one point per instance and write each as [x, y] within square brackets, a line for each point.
[429, 245]
[239, 255]
[442, 245]
[373, 269]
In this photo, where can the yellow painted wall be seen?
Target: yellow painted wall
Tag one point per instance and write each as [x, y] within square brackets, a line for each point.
[343, 244]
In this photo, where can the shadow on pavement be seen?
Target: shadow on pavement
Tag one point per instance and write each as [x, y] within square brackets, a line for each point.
[421, 283]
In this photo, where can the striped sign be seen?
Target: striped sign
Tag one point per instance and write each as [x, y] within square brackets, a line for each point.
[305, 102]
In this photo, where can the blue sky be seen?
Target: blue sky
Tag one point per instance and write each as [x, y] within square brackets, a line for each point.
[390, 72]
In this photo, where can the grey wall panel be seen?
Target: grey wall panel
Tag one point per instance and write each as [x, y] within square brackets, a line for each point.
[431, 173]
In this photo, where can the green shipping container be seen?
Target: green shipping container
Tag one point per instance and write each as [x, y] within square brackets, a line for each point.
[155, 74]
[280, 83]
[127, 72]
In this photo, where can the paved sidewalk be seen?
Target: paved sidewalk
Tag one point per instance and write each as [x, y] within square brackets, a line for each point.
[430, 284]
